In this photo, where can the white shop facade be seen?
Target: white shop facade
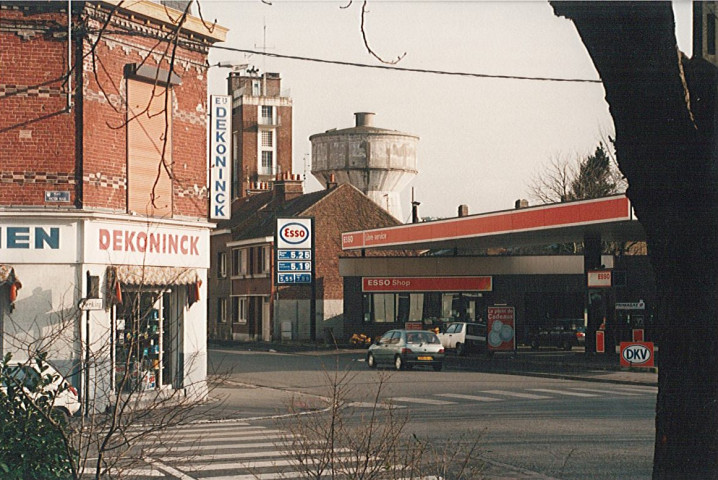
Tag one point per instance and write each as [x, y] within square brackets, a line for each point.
[118, 304]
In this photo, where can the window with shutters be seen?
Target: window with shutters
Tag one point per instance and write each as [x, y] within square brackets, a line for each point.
[149, 149]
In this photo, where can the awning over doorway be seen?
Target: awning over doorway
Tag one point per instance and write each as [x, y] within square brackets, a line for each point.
[148, 275]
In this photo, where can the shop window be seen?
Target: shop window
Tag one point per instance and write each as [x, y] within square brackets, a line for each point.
[221, 264]
[416, 307]
[149, 145]
[142, 341]
[384, 307]
[221, 310]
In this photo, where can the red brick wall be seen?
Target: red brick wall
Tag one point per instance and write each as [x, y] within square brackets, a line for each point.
[104, 118]
[345, 210]
[37, 137]
[38, 141]
[284, 140]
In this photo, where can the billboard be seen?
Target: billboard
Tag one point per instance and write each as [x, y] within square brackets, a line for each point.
[220, 157]
[294, 247]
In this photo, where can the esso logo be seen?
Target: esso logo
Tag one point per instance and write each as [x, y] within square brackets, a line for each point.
[294, 233]
[636, 354]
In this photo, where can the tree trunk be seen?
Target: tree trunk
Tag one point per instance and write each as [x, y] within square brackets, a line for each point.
[663, 107]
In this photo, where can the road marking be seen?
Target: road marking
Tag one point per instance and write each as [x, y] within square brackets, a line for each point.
[204, 439]
[240, 456]
[202, 435]
[651, 390]
[130, 472]
[470, 397]
[427, 401]
[385, 406]
[209, 429]
[260, 464]
[516, 394]
[563, 392]
[191, 448]
[172, 471]
[607, 392]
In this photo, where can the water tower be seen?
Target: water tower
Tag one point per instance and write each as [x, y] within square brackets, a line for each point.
[377, 161]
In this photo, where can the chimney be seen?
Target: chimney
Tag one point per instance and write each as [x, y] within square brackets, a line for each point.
[287, 186]
[463, 210]
[521, 203]
[332, 182]
[364, 119]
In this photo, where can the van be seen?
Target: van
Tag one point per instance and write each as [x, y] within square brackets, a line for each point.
[464, 337]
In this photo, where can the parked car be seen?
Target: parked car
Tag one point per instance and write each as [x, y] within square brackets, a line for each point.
[406, 349]
[463, 337]
[564, 333]
[28, 374]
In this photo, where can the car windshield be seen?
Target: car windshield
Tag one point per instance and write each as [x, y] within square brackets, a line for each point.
[421, 337]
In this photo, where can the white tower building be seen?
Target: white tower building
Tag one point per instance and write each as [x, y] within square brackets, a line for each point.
[377, 161]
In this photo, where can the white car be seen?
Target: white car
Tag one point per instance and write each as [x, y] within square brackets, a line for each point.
[463, 337]
[66, 402]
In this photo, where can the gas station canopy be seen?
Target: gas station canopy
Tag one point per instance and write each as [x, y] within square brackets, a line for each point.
[611, 218]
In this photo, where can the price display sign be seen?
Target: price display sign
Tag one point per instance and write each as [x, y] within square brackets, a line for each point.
[294, 247]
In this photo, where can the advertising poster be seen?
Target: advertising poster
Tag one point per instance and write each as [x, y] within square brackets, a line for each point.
[501, 328]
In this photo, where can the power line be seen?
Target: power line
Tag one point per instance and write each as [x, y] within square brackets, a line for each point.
[404, 69]
[196, 44]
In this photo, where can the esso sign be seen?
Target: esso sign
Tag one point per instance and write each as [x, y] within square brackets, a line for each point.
[637, 354]
[294, 233]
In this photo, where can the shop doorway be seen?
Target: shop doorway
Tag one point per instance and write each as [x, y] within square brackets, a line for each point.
[144, 341]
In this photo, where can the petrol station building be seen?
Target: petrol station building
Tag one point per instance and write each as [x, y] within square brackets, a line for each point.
[467, 266]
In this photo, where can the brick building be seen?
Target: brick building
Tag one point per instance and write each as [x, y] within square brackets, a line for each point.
[244, 303]
[103, 193]
[262, 130]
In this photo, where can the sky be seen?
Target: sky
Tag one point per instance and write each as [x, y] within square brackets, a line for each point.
[482, 140]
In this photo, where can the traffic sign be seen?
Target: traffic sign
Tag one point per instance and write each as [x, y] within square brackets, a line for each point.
[90, 304]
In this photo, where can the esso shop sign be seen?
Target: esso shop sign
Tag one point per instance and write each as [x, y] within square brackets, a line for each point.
[294, 233]
[637, 354]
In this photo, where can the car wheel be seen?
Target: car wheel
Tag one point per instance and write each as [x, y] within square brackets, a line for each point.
[371, 361]
[534, 344]
[567, 346]
[398, 363]
[438, 366]
[460, 350]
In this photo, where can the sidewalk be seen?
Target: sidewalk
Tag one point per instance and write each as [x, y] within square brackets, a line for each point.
[575, 365]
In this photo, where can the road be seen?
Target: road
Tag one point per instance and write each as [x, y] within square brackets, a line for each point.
[524, 427]
[563, 429]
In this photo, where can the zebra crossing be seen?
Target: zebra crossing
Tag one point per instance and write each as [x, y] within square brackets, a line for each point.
[240, 450]
[496, 395]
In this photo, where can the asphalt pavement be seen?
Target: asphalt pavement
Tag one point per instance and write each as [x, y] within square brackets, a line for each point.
[231, 399]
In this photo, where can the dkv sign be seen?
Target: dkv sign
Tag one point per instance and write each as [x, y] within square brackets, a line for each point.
[637, 354]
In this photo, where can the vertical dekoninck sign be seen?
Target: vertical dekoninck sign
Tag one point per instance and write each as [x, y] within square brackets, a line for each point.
[294, 247]
[220, 158]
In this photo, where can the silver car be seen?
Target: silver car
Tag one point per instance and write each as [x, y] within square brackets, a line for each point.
[405, 349]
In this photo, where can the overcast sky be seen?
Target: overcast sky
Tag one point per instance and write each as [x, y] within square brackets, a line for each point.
[481, 139]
